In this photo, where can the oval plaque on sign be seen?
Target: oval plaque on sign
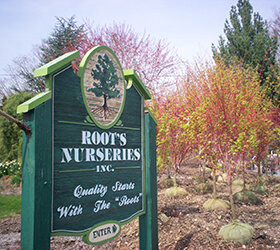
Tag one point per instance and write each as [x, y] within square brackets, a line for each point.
[103, 86]
[102, 232]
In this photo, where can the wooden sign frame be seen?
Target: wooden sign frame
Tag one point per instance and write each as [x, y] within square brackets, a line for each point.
[41, 157]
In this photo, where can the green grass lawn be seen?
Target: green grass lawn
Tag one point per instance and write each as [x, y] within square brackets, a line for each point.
[10, 206]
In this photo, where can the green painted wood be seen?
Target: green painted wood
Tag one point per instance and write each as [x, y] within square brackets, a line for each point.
[147, 110]
[34, 102]
[148, 225]
[131, 76]
[56, 64]
[36, 176]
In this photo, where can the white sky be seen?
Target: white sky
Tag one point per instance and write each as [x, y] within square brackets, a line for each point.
[190, 26]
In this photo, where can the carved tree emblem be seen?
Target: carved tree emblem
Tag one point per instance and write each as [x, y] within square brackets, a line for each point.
[105, 85]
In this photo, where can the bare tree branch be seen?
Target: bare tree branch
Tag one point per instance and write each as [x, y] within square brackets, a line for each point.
[20, 124]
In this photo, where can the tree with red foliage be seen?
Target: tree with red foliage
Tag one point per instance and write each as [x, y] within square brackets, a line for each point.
[233, 116]
[152, 59]
[175, 134]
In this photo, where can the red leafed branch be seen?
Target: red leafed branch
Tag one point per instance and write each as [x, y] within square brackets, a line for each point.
[152, 59]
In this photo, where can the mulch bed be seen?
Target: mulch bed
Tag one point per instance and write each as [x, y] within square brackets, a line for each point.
[189, 225]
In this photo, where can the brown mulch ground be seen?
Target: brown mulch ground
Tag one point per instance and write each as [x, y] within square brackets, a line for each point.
[189, 226]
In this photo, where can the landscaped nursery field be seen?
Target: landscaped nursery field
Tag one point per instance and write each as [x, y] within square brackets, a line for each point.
[189, 225]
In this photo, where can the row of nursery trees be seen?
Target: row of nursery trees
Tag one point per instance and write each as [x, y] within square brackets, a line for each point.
[221, 115]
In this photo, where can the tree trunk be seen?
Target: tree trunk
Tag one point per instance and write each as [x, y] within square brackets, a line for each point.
[203, 172]
[105, 105]
[243, 172]
[232, 202]
[105, 108]
[214, 184]
[168, 172]
[265, 166]
[174, 180]
[259, 169]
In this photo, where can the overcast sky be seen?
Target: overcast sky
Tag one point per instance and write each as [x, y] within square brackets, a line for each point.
[190, 26]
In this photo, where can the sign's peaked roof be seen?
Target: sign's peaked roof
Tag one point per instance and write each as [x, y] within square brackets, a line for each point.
[61, 62]
[56, 64]
[131, 77]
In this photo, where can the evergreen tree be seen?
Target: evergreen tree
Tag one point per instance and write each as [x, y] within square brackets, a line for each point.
[66, 36]
[248, 39]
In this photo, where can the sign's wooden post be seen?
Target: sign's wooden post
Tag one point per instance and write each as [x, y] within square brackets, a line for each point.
[90, 165]
[36, 186]
[148, 223]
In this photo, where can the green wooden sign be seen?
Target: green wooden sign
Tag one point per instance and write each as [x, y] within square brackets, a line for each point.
[98, 171]
[90, 165]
